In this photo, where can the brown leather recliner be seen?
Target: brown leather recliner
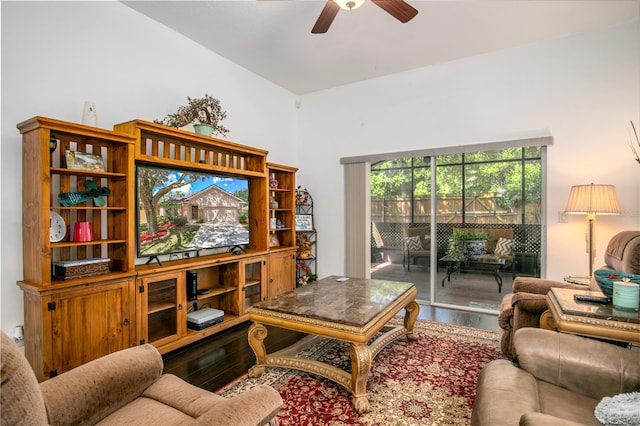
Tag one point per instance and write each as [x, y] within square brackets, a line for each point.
[559, 379]
[524, 307]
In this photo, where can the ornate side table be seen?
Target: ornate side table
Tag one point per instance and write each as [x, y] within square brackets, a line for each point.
[601, 321]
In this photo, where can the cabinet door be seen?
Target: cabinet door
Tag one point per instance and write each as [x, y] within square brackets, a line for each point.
[282, 273]
[253, 279]
[90, 323]
[160, 305]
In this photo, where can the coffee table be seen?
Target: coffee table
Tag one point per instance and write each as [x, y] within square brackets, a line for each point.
[482, 264]
[352, 311]
[589, 319]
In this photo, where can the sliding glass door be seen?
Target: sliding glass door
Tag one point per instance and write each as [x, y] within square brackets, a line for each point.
[496, 194]
[401, 221]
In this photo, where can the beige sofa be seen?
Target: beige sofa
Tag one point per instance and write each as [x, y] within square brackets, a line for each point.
[122, 388]
[559, 379]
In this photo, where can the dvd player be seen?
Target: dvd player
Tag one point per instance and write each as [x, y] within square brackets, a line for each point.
[198, 320]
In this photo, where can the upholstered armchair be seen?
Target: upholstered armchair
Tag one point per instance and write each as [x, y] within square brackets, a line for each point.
[416, 244]
[524, 307]
[122, 388]
[558, 379]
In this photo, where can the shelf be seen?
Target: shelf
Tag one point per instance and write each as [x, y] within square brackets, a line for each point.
[228, 318]
[251, 283]
[216, 292]
[159, 307]
[151, 298]
[86, 244]
[172, 147]
[76, 208]
[86, 173]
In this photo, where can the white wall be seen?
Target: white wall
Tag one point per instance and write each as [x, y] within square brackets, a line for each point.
[57, 55]
[582, 90]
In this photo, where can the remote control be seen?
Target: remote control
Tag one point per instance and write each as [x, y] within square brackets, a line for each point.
[590, 299]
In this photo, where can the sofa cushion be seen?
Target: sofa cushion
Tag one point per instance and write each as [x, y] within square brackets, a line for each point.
[504, 394]
[21, 400]
[565, 404]
[78, 396]
[623, 252]
[146, 411]
[175, 392]
[605, 369]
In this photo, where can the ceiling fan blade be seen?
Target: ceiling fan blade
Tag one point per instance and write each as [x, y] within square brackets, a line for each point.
[399, 9]
[326, 17]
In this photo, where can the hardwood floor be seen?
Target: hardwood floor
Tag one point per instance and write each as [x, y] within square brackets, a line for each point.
[218, 360]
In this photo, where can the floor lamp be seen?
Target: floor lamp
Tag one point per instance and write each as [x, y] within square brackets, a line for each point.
[591, 200]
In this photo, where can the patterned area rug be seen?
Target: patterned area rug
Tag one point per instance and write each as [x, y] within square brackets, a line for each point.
[428, 382]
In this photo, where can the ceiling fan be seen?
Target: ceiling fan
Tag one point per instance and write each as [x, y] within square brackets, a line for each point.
[399, 9]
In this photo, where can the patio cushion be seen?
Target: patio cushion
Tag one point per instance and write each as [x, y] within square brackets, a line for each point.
[414, 243]
[504, 247]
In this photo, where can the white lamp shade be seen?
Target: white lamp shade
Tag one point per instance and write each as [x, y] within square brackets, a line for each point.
[586, 199]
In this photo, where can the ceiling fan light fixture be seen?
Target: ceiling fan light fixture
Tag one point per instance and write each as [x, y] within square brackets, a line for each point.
[349, 4]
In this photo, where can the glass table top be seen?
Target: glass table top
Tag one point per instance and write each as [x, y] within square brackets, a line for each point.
[488, 259]
[569, 306]
[353, 302]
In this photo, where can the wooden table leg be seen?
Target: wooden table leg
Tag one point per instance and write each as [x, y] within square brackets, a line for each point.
[411, 314]
[257, 334]
[360, 368]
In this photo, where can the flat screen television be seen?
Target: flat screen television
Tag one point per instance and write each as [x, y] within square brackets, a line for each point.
[183, 211]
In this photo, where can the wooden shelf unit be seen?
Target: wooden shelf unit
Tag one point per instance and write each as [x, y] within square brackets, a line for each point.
[282, 256]
[233, 284]
[53, 307]
[135, 304]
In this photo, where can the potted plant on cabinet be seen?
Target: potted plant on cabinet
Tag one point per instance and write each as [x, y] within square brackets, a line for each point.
[204, 113]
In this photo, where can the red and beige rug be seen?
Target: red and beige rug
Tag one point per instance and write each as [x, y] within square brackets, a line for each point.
[428, 382]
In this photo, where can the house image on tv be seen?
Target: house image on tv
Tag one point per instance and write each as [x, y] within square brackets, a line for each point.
[211, 204]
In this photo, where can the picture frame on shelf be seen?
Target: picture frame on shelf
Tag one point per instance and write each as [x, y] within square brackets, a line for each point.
[84, 161]
[273, 240]
[304, 222]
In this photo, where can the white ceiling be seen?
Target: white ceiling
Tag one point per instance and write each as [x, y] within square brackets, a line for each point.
[273, 38]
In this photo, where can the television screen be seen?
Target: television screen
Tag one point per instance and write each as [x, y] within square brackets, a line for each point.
[180, 210]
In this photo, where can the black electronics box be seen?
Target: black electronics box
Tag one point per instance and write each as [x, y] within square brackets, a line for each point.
[199, 320]
[192, 286]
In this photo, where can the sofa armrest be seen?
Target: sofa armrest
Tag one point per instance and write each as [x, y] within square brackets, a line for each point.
[530, 302]
[586, 366]
[521, 310]
[90, 392]
[256, 406]
[541, 285]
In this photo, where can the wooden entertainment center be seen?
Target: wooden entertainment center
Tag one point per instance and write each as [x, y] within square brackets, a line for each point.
[69, 322]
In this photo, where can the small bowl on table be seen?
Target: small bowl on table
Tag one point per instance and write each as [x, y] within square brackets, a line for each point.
[606, 277]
